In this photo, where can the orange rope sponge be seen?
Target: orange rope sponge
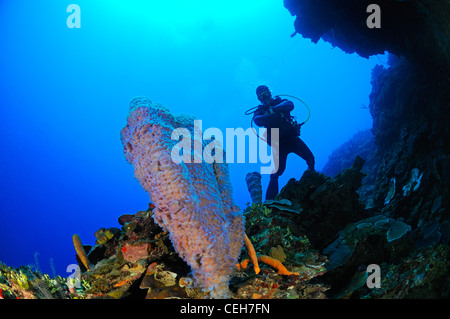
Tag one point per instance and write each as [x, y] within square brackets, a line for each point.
[251, 253]
[276, 264]
[262, 258]
[243, 264]
[80, 251]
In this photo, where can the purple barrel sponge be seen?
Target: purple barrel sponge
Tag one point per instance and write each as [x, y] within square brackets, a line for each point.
[193, 200]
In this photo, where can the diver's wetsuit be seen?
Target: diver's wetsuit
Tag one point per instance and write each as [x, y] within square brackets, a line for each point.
[289, 140]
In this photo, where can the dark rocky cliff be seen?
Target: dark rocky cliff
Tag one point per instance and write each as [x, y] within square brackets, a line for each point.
[361, 144]
[416, 29]
[409, 103]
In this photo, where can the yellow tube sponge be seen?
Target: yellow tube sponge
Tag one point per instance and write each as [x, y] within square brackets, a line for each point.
[80, 251]
[193, 200]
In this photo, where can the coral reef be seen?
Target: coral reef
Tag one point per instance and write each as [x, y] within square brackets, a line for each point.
[377, 238]
[361, 144]
[277, 253]
[423, 274]
[383, 198]
[193, 200]
[328, 205]
[141, 262]
[24, 283]
[105, 235]
[274, 235]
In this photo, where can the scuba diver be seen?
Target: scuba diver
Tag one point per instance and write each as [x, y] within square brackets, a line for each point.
[275, 113]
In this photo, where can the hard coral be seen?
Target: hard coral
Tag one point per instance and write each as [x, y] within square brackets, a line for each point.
[133, 253]
[193, 200]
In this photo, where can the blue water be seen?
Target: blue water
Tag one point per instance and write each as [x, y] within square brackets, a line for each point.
[64, 96]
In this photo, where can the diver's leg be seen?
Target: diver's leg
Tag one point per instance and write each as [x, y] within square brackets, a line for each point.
[302, 150]
[272, 189]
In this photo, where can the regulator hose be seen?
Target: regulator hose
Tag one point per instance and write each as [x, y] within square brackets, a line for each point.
[309, 111]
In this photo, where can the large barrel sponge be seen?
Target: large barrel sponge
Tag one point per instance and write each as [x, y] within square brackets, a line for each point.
[193, 200]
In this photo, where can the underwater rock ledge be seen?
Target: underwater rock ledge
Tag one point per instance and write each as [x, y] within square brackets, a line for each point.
[409, 104]
[409, 100]
[415, 29]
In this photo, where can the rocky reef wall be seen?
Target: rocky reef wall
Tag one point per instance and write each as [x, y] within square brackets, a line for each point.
[410, 112]
[409, 101]
[416, 29]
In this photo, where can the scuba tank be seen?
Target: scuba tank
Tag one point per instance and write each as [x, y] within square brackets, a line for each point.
[309, 111]
[291, 122]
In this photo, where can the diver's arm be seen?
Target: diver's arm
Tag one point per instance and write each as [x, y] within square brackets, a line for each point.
[285, 106]
[263, 116]
[266, 117]
[262, 120]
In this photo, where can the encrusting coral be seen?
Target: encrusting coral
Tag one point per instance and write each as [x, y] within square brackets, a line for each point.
[193, 200]
[277, 253]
